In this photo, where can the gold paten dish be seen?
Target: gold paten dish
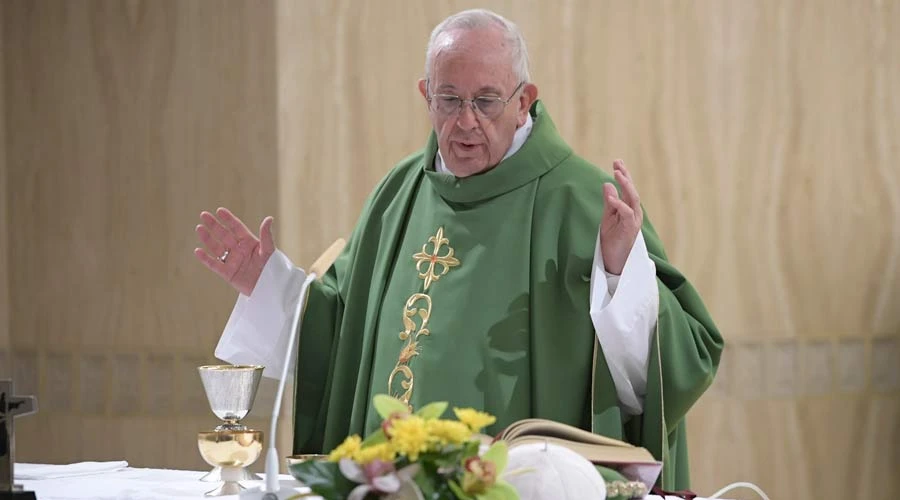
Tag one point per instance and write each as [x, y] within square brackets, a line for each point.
[299, 459]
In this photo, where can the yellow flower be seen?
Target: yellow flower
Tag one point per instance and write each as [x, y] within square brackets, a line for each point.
[409, 437]
[382, 451]
[444, 432]
[475, 419]
[346, 449]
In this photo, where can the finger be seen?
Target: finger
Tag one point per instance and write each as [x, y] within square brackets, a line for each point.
[266, 240]
[217, 230]
[620, 208]
[611, 196]
[213, 246]
[214, 264]
[235, 225]
[619, 165]
[629, 191]
[609, 191]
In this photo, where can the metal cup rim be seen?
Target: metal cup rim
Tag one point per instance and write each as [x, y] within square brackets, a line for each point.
[224, 433]
[231, 367]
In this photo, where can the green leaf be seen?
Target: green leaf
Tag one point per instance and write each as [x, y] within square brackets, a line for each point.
[323, 478]
[497, 453]
[432, 410]
[386, 405]
[430, 483]
[448, 456]
[376, 437]
[501, 490]
[470, 449]
[458, 491]
[434, 484]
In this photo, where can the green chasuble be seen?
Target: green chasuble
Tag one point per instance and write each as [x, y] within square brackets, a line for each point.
[476, 291]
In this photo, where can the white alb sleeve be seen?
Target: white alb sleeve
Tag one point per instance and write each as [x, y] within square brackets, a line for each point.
[258, 329]
[624, 310]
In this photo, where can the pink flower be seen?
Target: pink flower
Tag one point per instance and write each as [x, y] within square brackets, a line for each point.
[376, 477]
[479, 475]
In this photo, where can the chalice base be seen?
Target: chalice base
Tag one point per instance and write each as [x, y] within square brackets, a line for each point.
[230, 486]
[215, 475]
[227, 488]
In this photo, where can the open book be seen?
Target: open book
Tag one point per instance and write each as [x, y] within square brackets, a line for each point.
[631, 461]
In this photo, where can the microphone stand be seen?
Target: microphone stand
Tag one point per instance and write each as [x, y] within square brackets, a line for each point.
[272, 488]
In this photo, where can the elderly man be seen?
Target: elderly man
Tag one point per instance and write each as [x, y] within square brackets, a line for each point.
[493, 269]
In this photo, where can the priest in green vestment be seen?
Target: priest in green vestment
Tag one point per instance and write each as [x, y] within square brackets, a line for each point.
[493, 269]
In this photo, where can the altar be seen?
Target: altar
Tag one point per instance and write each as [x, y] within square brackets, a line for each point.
[118, 481]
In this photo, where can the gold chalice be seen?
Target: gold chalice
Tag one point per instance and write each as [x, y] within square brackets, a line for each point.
[231, 451]
[230, 390]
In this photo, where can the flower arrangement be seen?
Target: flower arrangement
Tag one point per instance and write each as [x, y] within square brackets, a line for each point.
[413, 456]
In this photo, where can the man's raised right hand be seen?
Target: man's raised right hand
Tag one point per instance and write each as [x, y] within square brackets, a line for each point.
[232, 251]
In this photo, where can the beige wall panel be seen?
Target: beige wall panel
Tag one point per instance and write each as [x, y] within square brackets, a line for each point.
[348, 110]
[154, 111]
[130, 118]
[828, 447]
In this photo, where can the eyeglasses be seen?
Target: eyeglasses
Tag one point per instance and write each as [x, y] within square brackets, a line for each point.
[489, 107]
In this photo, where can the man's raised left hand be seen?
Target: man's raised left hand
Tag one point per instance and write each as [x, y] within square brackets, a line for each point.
[622, 219]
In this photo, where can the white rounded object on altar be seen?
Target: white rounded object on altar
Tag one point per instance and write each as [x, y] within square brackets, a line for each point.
[556, 473]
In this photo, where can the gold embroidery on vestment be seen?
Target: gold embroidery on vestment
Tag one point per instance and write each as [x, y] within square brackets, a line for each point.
[445, 261]
[417, 312]
[414, 309]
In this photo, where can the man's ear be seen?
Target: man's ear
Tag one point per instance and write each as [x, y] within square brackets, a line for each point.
[422, 89]
[526, 99]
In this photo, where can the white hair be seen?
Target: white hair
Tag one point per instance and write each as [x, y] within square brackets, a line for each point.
[482, 18]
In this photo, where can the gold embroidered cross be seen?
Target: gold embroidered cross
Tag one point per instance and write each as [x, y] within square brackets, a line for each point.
[446, 261]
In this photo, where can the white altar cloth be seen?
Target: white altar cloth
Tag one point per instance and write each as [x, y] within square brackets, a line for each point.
[131, 484]
[127, 483]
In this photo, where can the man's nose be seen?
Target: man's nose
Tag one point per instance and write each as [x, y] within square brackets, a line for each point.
[467, 119]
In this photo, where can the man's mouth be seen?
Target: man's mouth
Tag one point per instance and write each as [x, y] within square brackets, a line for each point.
[465, 146]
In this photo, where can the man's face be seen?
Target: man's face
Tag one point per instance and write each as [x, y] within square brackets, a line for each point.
[470, 64]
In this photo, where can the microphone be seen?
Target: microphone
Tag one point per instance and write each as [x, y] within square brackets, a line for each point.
[272, 489]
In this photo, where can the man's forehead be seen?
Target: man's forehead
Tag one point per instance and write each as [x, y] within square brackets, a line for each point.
[473, 78]
[447, 41]
[470, 67]
[471, 46]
